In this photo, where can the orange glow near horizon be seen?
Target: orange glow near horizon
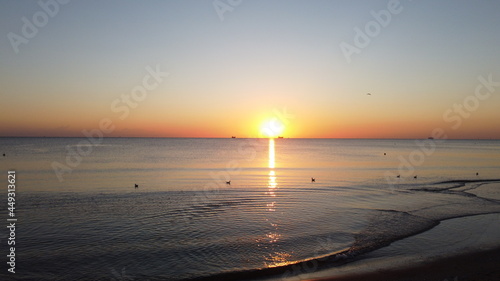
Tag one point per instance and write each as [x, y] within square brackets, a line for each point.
[262, 123]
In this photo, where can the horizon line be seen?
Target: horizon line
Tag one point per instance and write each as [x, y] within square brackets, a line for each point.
[150, 137]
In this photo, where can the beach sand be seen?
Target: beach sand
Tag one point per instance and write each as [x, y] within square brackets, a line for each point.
[484, 266]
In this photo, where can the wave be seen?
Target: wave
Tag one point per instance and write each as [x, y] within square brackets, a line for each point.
[384, 228]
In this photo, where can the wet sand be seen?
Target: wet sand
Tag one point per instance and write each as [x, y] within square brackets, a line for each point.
[484, 266]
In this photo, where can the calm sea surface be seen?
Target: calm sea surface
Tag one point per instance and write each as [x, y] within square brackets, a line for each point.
[80, 216]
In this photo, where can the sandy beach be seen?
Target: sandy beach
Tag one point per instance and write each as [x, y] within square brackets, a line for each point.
[477, 266]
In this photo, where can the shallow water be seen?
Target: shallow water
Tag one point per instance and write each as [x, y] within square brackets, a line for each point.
[184, 221]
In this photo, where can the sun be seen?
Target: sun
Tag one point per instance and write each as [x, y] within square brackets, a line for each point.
[272, 128]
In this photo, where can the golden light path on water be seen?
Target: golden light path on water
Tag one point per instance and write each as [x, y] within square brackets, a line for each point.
[271, 154]
[278, 258]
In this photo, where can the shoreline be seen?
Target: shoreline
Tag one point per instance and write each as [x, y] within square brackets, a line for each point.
[434, 255]
[481, 265]
[463, 248]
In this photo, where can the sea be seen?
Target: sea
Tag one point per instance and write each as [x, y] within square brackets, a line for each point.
[235, 209]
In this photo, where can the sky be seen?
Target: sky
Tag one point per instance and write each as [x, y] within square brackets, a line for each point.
[300, 69]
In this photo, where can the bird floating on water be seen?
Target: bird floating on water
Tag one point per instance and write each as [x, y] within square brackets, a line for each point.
[136, 186]
[415, 177]
[228, 182]
[313, 180]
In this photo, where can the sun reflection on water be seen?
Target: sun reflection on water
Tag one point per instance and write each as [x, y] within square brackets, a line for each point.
[274, 236]
[278, 259]
[272, 184]
[271, 154]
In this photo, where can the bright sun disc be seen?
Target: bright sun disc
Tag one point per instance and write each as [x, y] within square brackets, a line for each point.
[272, 128]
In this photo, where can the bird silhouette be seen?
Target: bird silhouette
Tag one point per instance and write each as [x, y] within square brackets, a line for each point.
[228, 182]
[136, 186]
[313, 180]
